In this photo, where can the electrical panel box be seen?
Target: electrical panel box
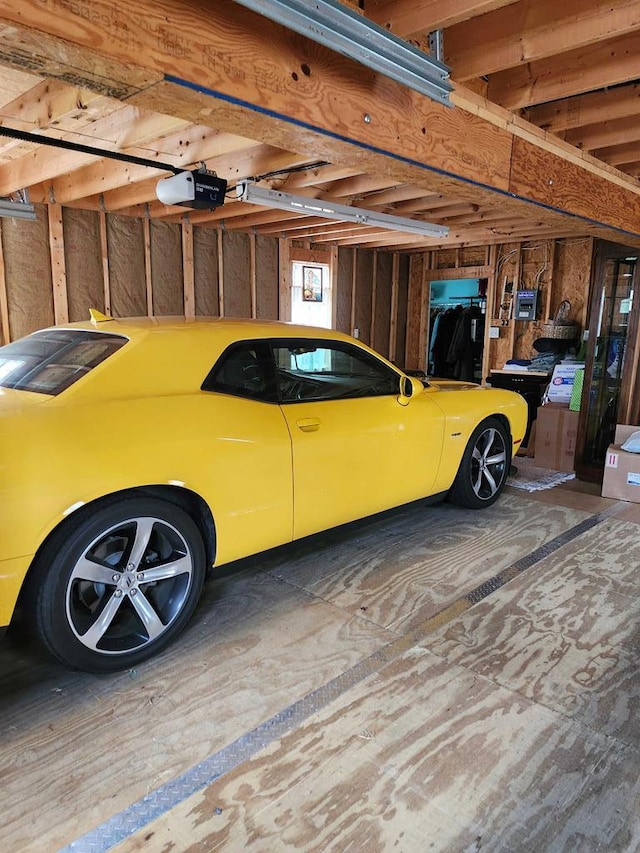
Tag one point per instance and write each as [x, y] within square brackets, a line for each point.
[526, 304]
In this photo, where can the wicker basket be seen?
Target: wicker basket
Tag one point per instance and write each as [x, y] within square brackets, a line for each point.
[555, 330]
[560, 327]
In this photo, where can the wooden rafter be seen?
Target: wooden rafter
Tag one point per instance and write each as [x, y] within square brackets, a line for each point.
[407, 17]
[606, 105]
[475, 167]
[603, 134]
[605, 63]
[533, 30]
[621, 154]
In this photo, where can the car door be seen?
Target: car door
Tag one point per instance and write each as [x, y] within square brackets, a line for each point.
[356, 449]
[248, 462]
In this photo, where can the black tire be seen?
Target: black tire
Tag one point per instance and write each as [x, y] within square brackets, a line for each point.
[484, 467]
[116, 585]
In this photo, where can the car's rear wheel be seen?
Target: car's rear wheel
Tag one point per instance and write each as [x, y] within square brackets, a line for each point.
[484, 467]
[115, 586]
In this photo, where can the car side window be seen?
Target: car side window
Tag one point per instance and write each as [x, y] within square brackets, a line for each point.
[244, 370]
[328, 370]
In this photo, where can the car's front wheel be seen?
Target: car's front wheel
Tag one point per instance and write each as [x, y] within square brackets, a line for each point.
[484, 467]
[113, 587]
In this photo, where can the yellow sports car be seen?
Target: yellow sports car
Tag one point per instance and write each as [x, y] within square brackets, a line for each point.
[136, 454]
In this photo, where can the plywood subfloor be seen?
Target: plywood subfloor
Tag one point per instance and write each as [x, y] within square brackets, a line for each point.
[508, 725]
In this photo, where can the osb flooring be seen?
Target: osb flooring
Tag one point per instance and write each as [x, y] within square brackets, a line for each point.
[509, 725]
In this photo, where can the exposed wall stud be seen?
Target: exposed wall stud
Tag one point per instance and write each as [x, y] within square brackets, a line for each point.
[147, 264]
[188, 270]
[220, 234]
[333, 272]
[104, 251]
[284, 290]
[517, 273]
[425, 293]
[414, 340]
[428, 273]
[4, 302]
[58, 264]
[253, 274]
[393, 322]
[353, 291]
[374, 294]
[549, 281]
[491, 258]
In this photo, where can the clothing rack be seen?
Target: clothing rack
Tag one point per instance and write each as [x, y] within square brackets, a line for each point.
[457, 301]
[454, 348]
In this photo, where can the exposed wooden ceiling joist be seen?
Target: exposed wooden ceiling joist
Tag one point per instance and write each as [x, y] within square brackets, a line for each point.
[620, 154]
[574, 72]
[605, 105]
[603, 134]
[202, 76]
[407, 18]
[534, 30]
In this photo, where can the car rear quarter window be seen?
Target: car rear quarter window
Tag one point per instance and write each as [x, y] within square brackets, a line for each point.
[245, 369]
[49, 362]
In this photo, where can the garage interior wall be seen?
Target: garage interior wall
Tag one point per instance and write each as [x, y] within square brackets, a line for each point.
[69, 260]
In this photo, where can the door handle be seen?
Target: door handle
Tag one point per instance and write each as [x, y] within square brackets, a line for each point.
[308, 424]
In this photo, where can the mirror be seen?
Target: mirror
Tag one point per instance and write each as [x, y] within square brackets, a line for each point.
[410, 386]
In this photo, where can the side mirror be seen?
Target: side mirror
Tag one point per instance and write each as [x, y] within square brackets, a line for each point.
[410, 387]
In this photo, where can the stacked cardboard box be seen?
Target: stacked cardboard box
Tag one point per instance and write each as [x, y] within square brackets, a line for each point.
[555, 437]
[622, 469]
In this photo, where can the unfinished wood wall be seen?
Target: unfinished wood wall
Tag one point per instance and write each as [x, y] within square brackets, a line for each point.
[372, 299]
[558, 269]
[68, 261]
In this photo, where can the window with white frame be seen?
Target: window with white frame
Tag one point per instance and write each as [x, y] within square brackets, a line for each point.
[311, 295]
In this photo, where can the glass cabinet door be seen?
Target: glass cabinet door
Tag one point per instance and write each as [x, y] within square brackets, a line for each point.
[606, 384]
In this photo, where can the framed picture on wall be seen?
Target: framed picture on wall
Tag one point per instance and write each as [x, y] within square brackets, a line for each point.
[312, 284]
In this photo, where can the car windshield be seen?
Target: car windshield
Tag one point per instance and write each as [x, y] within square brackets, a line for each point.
[48, 362]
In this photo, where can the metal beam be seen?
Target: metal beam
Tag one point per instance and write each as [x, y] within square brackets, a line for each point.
[339, 28]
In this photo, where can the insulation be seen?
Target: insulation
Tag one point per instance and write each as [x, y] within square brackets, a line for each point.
[416, 329]
[27, 262]
[474, 256]
[445, 258]
[205, 263]
[573, 272]
[125, 239]
[344, 290]
[536, 273]
[237, 274]
[266, 278]
[83, 261]
[382, 319]
[166, 268]
[403, 299]
[364, 288]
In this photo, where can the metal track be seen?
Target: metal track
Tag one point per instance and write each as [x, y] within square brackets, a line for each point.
[342, 29]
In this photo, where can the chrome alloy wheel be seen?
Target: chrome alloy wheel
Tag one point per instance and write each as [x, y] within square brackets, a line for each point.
[488, 463]
[129, 585]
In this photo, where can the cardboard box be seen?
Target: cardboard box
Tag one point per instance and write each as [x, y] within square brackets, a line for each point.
[561, 384]
[556, 435]
[621, 469]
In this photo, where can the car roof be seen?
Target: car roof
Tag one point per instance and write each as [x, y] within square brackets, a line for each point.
[226, 327]
[173, 355]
